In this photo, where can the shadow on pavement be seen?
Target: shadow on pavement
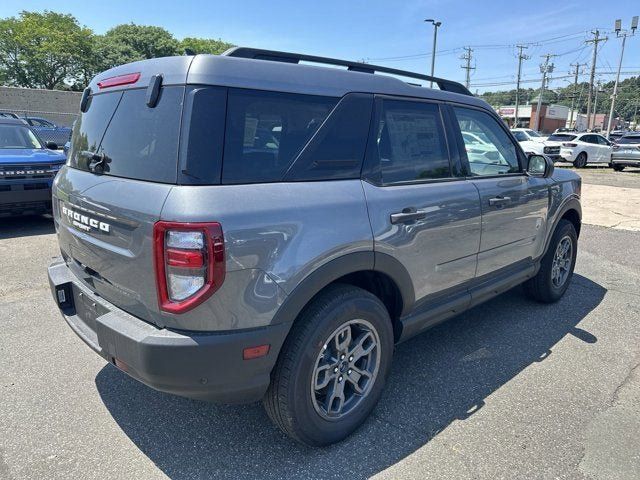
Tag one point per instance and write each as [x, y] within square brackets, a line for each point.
[438, 377]
[14, 227]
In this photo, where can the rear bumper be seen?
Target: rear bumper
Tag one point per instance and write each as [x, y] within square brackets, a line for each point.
[626, 161]
[203, 366]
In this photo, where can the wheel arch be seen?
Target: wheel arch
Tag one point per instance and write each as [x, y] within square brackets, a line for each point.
[571, 210]
[378, 273]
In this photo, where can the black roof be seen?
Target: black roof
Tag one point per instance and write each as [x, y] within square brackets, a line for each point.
[281, 71]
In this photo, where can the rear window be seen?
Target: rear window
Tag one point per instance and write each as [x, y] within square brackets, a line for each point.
[561, 137]
[134, 140]
[265, 131]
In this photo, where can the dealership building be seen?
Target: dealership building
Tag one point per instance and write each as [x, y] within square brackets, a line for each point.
[551, 116]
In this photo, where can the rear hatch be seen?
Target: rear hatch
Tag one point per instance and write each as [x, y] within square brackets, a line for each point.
[122, 164]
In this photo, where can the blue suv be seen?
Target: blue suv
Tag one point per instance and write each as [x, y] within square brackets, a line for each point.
[27, 169]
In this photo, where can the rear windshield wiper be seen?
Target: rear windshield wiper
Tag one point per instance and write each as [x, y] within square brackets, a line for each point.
[97, 162]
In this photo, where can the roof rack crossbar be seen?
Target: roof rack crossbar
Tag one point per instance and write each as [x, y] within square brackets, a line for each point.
[288, 57]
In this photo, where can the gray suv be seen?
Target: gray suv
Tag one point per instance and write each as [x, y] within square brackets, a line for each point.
[258, 226]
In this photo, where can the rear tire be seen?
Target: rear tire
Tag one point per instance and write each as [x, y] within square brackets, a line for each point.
[618, 168]
[581, 160]
[556, 269]
[313, 396]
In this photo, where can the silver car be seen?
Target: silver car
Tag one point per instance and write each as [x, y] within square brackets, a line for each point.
[626, 152]
[247, 227]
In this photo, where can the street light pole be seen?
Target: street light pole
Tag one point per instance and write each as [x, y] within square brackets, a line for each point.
[618, 28]
[436, 24]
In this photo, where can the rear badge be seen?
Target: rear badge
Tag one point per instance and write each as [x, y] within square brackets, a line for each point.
[84, 222]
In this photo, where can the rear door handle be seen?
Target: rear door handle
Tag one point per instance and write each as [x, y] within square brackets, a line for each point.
[499, 201]
[409, 214]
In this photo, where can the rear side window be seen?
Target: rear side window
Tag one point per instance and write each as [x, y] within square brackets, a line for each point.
[139, 142]
[265, 131]
[410, 144]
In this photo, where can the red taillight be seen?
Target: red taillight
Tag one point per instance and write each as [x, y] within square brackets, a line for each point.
[189, 263]
[126, 79]
[184, 258]
[570, 145]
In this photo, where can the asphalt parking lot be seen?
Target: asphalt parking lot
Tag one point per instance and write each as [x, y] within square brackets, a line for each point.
[510, 389]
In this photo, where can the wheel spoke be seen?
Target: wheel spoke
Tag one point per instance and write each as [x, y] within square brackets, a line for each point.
[354, 378]
[343, 339]
[335, 398]
[324, 375]
[364, 345]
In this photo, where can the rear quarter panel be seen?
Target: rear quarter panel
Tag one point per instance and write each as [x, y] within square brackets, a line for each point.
[275, 235]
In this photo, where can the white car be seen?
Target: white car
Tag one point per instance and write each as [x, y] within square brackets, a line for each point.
[582, 148]
[531, 134]
[535, 146]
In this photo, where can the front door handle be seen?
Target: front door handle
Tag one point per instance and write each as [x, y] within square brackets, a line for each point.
[409, 214]
[499, 201]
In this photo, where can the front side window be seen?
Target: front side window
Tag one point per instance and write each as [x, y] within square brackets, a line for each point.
[410, 142]
[17, 136]
[498, 155]
[265, 132]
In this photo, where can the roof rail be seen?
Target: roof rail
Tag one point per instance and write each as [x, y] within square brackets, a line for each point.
[287, 57]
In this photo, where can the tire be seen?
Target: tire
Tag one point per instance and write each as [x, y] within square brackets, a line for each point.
[618, 168]
[291, 401]
[581, 160]
[543, 288]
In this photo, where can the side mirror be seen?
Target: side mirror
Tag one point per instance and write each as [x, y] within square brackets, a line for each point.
[52, 145]
[540, 166]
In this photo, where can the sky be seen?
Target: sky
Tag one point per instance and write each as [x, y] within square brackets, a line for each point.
[392, 33]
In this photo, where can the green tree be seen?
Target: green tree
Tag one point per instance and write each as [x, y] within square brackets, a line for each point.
[43, 50]
[204, 45]
[130, 42]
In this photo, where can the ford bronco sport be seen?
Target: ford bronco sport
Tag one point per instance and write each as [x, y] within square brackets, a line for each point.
[258, 226]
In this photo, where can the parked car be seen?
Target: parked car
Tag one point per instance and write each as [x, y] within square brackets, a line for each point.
[565, 130]
[582, 148]
[531, 134]
[615, 135]
[27, 169]
[49, 131]
[537, 147]
[626, 152]
[204, 261]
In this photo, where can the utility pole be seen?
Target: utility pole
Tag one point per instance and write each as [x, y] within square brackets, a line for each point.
[575, 86]
[623, 34]
[467, 56]
[436, 24]
[521, 57]
[545, 68]
[595, 101]
[595, 40]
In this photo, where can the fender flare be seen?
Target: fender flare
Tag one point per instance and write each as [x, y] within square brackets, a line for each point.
[339, 267]
[572, 203]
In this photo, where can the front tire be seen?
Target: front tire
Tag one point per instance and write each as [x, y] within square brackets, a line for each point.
[618, 168]
[581, 160]
[556, 266]
[332, 368]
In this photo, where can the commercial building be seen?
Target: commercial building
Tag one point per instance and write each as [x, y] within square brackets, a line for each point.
[551, 116]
